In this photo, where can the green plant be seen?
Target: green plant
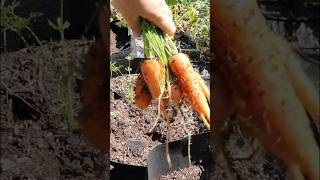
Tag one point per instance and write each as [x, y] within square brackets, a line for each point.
[193, 16]
[114, 68]
[130, 94]
[12, 22]
[66, 94]
[129, 69]
[60, 25]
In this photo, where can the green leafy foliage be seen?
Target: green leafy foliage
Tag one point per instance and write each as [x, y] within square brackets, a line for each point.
[174, 2]
[114, 68]
[12, 22]
[193, 16]
[59, 25]
[67, 93]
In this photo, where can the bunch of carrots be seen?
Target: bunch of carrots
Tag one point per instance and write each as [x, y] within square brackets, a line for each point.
[168, 76]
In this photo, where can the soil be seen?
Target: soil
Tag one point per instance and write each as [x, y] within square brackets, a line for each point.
[129, 138]
[36, 142]
[246, 157]
[192, 172]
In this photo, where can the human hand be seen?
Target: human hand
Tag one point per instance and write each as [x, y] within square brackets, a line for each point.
[156, 11]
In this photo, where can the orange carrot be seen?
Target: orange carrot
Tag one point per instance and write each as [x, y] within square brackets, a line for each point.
[143, 96]
[153, 76]
[204, 88]
[190, 85]
[176, 94]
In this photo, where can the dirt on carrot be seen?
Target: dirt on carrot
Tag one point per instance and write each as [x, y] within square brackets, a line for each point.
[142, 94]
[153, 76]
[176, 94]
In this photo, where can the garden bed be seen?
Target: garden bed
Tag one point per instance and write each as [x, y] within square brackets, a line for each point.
[36, 142]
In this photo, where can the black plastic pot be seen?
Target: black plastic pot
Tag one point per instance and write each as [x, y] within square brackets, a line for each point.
[178, 152]
[120, 171]
[157, 163]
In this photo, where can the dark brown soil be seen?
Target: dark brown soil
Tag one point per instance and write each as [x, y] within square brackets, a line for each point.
[35, 140]
[192, 172]
[130, 143]
[246, 157]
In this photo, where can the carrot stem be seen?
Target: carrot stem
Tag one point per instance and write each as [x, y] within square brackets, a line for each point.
[158, 45]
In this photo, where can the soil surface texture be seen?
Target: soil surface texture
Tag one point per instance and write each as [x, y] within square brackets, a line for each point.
[36, 142]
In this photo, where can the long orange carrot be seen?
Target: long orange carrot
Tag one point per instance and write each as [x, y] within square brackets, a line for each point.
[262, 76]
[204, 88]
[190, 85]
[142, 95]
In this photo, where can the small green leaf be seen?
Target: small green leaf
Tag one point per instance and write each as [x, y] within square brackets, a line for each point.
[171, 2]
[52, 24]
[128, 69]
[59, 22]
[66, 25]
[129, 58]
[14, 4]
[35, 14]
[192, 15]
[184, 2]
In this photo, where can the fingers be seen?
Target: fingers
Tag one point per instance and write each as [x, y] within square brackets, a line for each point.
[134, 24]
[161, 16]
[130, 13]
[156, 11]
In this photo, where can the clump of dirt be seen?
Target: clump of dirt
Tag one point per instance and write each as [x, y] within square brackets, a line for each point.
[192, 172]
[129, 138]
[35, 140]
